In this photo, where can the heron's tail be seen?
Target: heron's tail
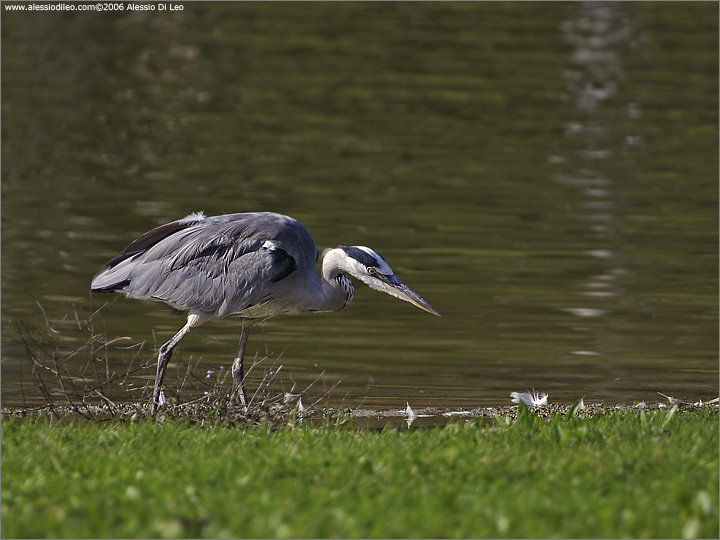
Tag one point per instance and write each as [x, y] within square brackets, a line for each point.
[112, 278]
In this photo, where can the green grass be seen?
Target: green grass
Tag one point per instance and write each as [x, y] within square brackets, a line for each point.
[629, 474]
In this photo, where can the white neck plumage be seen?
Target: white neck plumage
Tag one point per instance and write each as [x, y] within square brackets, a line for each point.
[337, 287]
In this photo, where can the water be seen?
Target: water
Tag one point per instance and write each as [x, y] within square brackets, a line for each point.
[544, 174]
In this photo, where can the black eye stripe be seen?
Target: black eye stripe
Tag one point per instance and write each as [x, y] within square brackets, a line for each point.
[360, 256]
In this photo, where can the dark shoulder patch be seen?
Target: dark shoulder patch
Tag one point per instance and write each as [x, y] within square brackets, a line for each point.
[360, 255]
[283, 264]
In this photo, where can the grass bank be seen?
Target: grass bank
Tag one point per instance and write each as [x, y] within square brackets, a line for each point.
[645, 474]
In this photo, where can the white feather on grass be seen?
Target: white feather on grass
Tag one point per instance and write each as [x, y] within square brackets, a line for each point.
[531, 399]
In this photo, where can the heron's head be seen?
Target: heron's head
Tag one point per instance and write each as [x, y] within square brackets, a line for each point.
[368, 266]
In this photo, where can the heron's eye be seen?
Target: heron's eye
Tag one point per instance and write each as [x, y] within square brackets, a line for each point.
[371, 271]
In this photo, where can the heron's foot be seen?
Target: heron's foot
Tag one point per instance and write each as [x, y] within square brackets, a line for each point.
[158, 399]
[243, 398]
[238, 374]
[240, 394]
[154, 405]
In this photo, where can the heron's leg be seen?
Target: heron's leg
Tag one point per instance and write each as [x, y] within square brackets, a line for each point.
[238, 370]
[164, 356]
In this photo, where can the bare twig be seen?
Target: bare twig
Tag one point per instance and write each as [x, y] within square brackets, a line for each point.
[81, 376]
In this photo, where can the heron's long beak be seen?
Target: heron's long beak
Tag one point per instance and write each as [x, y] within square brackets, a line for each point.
[393, 286]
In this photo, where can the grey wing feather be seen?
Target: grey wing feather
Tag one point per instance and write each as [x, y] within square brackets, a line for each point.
[213, 266]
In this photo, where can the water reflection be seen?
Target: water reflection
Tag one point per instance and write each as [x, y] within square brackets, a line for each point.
[599, 33]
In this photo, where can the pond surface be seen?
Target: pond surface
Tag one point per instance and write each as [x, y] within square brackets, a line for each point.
[545, 175]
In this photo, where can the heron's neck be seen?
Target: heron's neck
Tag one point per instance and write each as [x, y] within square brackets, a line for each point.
[337, 287]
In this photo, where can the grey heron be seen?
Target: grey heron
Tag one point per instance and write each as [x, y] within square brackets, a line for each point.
[250, 265]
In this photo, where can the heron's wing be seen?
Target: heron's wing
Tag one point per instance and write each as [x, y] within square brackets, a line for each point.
[148, 240]
[215, 266]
